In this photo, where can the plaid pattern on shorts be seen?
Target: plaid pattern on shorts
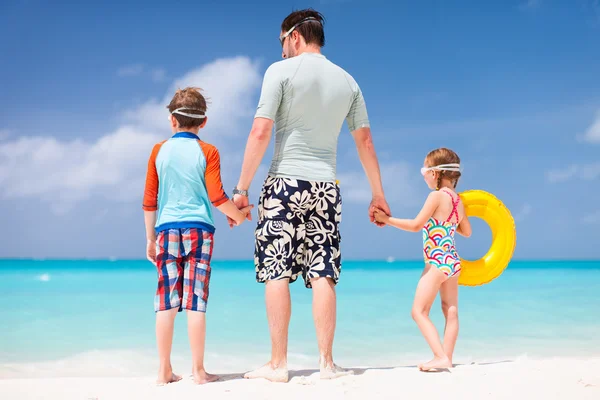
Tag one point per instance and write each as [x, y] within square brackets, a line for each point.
[183, 264]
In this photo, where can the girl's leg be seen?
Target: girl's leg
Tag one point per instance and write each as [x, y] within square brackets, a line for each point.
[449, 295]
[427, 289]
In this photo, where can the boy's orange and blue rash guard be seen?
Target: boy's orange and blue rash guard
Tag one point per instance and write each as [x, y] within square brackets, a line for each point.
[183, 179]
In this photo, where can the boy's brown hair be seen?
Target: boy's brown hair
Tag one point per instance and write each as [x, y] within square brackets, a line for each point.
[442, 156]
[193, 101]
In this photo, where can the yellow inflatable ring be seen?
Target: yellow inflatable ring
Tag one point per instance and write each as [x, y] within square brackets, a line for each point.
[486, 206]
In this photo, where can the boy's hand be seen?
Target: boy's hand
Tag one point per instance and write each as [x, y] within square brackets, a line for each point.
[246, 211]
[151, 251]
[241, 202]
[380, 216]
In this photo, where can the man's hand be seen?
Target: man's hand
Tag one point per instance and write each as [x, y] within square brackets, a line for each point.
[240, 202]
[151, 251]
[378, 203]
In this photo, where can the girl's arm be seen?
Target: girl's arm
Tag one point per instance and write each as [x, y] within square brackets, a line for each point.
[413, 225]
[464, 227]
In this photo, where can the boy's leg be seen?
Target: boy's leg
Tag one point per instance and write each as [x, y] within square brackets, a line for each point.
[449, 296]
[198, 246]
[167, 301]
[197, 334]
[427, 289]
[164, 339]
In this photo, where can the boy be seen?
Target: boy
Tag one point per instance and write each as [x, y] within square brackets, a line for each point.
[183, 180]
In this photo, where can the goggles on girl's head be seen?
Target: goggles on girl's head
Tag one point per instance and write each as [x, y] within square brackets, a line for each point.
[442, 167]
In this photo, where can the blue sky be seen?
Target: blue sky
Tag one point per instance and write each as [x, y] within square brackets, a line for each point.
[512, 86]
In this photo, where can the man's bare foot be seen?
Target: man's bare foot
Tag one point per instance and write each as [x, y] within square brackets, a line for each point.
[436, 364]
[201, 377]
[334, 371]
[167, 378]
[277, 374]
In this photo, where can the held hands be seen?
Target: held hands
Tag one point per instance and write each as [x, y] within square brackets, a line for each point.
[242, 203]
[247, 214]
[381, 217]
[379, 207]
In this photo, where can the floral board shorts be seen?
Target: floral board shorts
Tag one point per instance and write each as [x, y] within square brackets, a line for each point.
[298, 231]
[183, 265]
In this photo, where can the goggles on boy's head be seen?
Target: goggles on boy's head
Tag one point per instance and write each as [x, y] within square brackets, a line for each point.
[442, 167]
[178, 111]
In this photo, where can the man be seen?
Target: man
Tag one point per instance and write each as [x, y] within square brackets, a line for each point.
[308, 98]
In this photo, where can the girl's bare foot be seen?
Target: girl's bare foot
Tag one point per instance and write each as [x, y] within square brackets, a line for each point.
[436, 364]
[201, 377]
[170, 377]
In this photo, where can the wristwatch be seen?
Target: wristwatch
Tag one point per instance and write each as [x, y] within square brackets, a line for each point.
[240, 192]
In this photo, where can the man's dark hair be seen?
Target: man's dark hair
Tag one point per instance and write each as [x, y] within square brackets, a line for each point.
[311, 30]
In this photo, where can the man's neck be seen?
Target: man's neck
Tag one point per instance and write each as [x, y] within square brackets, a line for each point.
[309, 49]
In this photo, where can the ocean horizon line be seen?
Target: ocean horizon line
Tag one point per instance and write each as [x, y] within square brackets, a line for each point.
[389, 260]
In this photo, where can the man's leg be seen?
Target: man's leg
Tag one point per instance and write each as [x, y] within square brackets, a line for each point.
[279, 311]
[322, 263]
[275, 254]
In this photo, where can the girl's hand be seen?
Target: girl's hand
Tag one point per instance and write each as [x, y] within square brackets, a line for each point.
[381, 217]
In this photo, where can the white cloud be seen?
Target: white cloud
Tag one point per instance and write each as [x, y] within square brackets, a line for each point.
[156, 74]
[593, 218]
[522, 213]
[113, 167]
[586, 172]
[592, 134]
[398, 185]
[4, 134]
[131, 70]
[530, 4]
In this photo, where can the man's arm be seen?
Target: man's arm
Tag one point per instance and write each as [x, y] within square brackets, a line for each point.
[368, 158]
[258, 142]
[358, 123]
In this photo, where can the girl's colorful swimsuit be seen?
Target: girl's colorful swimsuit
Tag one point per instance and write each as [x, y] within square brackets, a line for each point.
[438, 242]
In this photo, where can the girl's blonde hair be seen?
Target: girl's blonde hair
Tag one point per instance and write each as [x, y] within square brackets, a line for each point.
[442, 156]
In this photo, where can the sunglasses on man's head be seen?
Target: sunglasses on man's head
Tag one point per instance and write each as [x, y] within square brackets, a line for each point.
[282, 37]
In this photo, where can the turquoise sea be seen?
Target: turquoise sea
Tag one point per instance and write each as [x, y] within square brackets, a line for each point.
[90, 318]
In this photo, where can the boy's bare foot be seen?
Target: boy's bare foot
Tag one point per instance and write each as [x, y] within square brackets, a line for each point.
[334, 371]
[279, 374]
[168, 378]
[201, 377]
[436, 364]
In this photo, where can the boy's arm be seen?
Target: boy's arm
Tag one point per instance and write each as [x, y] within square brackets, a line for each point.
[413, 225]
[150, 202]
[150, 205]
[214, 186]
[231, 211]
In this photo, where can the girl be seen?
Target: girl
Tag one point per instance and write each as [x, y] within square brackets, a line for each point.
[441, 216]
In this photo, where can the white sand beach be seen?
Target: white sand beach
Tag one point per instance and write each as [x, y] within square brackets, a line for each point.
[556, 378]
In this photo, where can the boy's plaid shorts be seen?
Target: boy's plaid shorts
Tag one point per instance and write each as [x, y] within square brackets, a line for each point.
[183, 264]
